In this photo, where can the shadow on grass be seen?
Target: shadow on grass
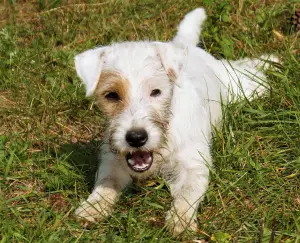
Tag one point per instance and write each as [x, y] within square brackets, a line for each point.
[85, 157]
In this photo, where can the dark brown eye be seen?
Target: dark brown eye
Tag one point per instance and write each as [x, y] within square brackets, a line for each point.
[112, 96]
[155, 93]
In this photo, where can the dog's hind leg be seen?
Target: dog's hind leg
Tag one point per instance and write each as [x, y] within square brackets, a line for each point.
[110, 180]
[246, 76]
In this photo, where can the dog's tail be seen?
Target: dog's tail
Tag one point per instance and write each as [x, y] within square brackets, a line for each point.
[190, 28]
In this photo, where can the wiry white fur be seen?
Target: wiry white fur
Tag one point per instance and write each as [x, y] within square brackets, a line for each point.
[195, 95]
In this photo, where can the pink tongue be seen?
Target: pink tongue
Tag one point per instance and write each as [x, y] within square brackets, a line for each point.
[141, 158]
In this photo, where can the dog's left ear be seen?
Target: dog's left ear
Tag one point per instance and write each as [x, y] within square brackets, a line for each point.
[89, 65]
[173, 59]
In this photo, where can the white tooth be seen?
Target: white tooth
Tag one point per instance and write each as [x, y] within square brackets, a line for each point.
[149, 159]
[131, 161]
[141, 166]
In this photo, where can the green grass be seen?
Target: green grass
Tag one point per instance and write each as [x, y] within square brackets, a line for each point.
[49, 132]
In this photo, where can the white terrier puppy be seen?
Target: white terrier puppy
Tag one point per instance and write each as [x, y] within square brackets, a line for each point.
[161, 100]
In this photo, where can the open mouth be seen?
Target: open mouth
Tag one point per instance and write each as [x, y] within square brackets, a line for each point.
[139, 161]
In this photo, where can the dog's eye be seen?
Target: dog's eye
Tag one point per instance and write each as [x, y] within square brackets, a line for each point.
[112, 96]
[155, 93]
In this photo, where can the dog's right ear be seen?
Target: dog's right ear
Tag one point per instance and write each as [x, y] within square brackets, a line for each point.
[89, 65]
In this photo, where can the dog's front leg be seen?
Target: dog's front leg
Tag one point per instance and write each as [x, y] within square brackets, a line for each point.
[110, 180]
[188, 185]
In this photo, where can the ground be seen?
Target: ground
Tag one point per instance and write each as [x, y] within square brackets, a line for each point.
[49, 132]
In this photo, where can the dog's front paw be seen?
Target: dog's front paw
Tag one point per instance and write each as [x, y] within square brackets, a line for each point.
[93, 211]
[177, 223]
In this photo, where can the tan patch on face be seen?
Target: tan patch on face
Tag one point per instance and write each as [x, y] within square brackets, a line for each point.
[112, 82]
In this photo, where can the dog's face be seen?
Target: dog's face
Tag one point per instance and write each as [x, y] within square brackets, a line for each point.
[133, 84]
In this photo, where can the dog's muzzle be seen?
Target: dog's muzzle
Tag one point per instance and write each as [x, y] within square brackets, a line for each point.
[139, 161]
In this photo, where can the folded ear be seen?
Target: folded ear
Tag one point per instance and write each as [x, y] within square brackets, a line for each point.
[89, 65]
[173, 59]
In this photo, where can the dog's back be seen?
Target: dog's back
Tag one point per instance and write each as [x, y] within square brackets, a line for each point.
[240, 78]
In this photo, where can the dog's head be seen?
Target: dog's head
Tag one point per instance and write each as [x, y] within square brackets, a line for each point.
[133, 83]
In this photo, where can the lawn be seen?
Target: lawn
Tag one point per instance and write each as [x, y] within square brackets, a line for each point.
[50, 132]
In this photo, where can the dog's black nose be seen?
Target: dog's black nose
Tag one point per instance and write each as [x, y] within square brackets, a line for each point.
[136, 137]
